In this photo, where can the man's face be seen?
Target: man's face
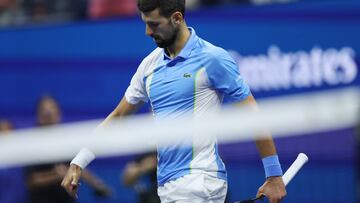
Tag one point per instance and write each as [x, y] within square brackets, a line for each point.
[48, 112]
[161, 29]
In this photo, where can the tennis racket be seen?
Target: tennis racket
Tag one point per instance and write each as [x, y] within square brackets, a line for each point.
[287, 177]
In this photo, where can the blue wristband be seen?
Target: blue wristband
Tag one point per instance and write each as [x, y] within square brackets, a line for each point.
[272, 166]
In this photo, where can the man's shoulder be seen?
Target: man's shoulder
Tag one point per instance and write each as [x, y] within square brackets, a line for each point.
[155, 54]
[214, 57]
[211, 51]
[150, 61]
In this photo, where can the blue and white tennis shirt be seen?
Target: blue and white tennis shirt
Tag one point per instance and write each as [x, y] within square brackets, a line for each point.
[194, 82]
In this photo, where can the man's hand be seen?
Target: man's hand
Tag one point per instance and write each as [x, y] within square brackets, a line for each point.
[273, 189]
[71, 180]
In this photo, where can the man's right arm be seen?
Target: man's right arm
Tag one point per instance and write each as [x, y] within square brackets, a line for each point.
[123, 109]
[71, 179]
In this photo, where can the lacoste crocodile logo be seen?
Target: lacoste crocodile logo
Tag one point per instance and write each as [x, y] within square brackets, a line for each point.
[187, 75]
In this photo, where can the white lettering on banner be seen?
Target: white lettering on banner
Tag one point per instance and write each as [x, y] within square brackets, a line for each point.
[277, 70]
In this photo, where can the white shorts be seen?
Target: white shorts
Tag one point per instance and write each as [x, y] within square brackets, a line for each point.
[194, 188]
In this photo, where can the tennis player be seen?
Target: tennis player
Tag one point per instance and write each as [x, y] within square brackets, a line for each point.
[185, 74]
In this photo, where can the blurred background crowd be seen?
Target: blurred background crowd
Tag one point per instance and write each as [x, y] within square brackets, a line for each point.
[19, 12]
[40, 183]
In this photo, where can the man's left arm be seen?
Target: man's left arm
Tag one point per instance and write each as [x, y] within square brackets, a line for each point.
[224, 76]
[273, 188]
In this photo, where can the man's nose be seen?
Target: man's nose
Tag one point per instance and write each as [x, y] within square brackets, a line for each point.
[148, 31]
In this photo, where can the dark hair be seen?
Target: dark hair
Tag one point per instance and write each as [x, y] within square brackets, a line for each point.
[167, 7]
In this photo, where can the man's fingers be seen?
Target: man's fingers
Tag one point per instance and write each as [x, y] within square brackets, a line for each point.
[275, 200]
[74, 185]
[71, 180]
[71, 185]
[70, 190]
[260, 193]
[75, 179]
[74, 189]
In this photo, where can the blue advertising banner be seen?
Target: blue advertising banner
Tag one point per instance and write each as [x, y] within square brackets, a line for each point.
[280, 50]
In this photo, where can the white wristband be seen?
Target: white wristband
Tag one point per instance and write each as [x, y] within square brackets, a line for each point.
[83, 158]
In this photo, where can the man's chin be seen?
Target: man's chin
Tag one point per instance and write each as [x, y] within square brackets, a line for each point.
[160, 45]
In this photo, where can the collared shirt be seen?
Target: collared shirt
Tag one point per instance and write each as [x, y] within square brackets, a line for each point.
[195, 81]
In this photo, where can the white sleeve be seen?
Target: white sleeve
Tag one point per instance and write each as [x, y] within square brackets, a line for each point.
[83, 158]
[136, 91]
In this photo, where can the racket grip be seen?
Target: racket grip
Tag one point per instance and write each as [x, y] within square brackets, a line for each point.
[294, 168]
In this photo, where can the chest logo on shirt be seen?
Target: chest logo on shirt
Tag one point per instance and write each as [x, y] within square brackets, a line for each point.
[187, 75]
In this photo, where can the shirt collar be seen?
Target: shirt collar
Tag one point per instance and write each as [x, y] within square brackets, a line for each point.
[189, 46]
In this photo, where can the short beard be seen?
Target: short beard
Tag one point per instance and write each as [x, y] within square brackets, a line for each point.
[170, 41]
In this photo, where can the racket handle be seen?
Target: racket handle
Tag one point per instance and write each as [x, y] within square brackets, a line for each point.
[294, 168]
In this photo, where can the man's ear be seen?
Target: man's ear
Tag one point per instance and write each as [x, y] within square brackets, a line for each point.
[177, 18]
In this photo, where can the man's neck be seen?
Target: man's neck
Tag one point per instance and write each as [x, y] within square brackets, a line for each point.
[179, 43]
